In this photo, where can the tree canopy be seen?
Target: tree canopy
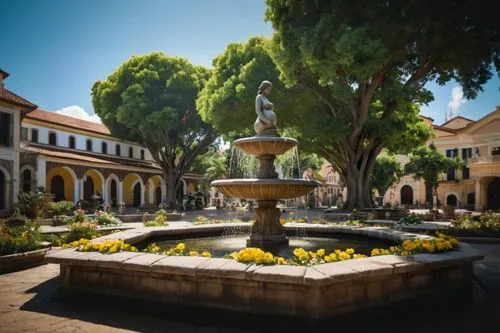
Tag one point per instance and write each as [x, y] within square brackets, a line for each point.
[349, 76]
[386, 172]
[429, 163]
[151, 99]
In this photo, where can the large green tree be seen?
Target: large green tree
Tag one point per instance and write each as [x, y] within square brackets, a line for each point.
[368, 62]
[386, 172]
[227, 101]
[429, 163]
[152, 100]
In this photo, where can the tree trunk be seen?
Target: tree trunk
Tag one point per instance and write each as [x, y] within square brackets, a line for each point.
[358, 184]
[172, 186]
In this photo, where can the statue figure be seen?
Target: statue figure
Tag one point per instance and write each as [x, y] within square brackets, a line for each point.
[265, 125]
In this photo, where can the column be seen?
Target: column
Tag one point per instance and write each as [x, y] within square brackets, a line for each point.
[80, 189]
[104, 193]
[119, 193]
[143, 192]
[477, 195]
[41, 172]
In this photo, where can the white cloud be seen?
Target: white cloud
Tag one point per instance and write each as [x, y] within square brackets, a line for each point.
[76, 111]
[457, 99]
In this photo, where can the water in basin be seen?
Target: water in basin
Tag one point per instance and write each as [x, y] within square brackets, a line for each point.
[219, 246]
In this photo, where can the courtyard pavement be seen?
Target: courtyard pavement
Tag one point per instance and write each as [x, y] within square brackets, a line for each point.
[30, 301]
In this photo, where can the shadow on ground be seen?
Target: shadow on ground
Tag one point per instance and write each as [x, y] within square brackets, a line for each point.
[436, 316]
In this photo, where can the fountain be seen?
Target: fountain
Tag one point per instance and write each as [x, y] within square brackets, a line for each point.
[267, 189]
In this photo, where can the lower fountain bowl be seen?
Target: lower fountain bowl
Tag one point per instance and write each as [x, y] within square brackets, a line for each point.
[265, 189]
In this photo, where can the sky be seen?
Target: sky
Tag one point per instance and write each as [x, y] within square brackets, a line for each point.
[56, 49]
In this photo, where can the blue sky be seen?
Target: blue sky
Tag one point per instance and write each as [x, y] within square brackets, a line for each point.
[55, 50]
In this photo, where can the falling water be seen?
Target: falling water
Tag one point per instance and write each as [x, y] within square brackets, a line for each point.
[296, 153]
[231, 162]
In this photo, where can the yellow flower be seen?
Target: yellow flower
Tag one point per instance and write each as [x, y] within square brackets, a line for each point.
[350, 251]
[194, 253]
[206, 254]
[180, 247]
[321, 252]
[404, 253]
[375, 252]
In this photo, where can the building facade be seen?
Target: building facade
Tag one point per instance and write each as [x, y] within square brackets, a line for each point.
[76, 160]
[474, 186]
[12, 110]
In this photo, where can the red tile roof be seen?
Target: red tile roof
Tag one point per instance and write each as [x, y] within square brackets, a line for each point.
[9, 97]
[59, 119]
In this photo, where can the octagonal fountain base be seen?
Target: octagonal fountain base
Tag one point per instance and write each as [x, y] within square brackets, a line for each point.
[314, 292]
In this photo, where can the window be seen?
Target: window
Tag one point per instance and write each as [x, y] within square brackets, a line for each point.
[495, 151]
[24, 133]
[34, 135]
[89, 144]
[406, 170]
[118, 150]
[466, 153]
[104, 147]
[452, 153]
[450, 174]
[142, 154]
[465, 172]
[71, 142]
[52, 139]
[130, 152]
[5, 129]
[26, 180]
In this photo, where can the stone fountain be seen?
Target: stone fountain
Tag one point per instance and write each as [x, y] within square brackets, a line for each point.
[267, 189]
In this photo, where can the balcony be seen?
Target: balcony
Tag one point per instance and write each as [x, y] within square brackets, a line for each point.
[483, 159]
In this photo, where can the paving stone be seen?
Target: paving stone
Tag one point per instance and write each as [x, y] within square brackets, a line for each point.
[366, 267]
[113, 260]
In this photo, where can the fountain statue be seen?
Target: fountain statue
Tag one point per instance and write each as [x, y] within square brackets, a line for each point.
[267, 189]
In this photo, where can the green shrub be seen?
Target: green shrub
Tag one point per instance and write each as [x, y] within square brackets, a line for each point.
[106, 219]
[32, 204]
[159, 221]
[14, 222]
[161, 212]
[60, 220]
[62, 208]
[355, 223]
[79, 216]
[410, 219]
[79, 230]
[19, 239]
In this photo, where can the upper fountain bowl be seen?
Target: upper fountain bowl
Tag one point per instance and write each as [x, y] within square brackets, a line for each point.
[258, 146]
[265, 189]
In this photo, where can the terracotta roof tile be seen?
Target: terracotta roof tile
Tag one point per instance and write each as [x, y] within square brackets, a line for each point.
[8, 96]
[59, 119]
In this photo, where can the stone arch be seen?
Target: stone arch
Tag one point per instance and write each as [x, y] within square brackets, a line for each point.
[93, 185]
[406, 193]
[27, 184]
[451, 199]
[4, 188]
[69, 178]
[112, 195]
[129, 183]
[154, 190]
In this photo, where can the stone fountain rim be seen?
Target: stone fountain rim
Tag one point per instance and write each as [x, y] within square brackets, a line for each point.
[265, 139]
[264, 181]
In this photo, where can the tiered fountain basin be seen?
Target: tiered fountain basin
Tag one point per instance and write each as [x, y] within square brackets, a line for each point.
[265, 189]
[314, 292]
[257, 145]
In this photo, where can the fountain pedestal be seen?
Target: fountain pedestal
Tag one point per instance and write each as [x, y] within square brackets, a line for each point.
[267, 229]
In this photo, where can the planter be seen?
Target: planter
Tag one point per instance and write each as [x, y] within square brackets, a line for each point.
[19, 261]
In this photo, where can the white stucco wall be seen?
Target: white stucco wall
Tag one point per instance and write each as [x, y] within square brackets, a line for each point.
[81, 142]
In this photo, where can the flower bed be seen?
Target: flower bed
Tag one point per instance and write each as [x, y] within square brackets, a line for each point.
[301, 257]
